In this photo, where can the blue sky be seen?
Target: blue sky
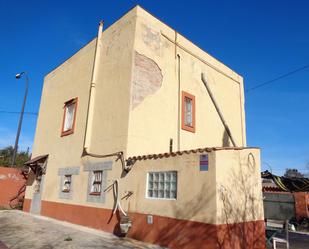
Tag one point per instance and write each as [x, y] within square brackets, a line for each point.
[259, 39]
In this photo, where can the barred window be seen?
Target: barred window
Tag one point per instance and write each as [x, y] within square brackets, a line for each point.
[96, 181]
[162, 185]
[66, 187]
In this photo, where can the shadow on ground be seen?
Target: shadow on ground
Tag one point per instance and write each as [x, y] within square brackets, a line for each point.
[20, 230]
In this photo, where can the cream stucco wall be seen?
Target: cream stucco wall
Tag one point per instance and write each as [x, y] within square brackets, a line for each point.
[157, 119]
[111, 109]
[230, 191]
[70, 80]
[239, 186]
[139, 49]
[196, 191]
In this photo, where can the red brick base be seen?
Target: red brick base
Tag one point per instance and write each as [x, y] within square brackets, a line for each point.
[164, 231]
[26, 205]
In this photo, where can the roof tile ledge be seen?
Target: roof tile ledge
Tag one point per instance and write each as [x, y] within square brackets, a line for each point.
[184, 152]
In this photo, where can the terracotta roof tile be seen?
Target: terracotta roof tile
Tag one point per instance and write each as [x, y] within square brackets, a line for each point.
[184, 152]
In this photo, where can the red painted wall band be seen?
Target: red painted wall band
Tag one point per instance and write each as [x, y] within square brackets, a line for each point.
[173, 233]
[26, 205]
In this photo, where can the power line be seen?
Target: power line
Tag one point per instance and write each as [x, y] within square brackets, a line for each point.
[278, 78]
[14, 112]
[248, 90]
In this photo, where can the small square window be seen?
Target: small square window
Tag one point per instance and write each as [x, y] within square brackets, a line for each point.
[96, 183]
[188, 112]
[69, 116]
[162, 185]
[66, 185]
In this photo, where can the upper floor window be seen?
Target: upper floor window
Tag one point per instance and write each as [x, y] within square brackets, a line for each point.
[188, 112]
[69, 117]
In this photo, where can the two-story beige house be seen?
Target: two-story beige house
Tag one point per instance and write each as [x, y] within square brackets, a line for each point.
[128, 136]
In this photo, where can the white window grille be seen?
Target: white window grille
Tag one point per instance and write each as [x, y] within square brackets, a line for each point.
[96, 182]
[66, 187]
[162, 185]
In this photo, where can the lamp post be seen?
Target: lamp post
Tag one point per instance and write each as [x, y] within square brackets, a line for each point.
[18, 76]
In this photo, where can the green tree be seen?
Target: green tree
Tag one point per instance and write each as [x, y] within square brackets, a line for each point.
[6, 157]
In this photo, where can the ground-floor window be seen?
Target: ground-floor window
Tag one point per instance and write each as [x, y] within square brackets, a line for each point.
[162, 185]
[66, 187]
[96, 182]
[67, 176]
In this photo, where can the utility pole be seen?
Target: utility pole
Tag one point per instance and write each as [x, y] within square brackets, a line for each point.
[18, 76]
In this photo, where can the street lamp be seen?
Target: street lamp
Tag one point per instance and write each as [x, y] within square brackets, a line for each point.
[18, 76]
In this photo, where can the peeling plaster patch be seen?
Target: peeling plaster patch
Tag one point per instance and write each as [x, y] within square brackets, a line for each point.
[151, 38]
[147, 78]
[115, 37]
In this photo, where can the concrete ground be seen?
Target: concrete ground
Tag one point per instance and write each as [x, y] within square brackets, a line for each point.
[19, 230]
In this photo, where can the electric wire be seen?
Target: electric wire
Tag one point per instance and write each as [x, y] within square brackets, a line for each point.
[248, 90]
[277, 78]
[15, 112]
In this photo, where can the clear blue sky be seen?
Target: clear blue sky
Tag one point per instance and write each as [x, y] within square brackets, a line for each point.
[259, 39]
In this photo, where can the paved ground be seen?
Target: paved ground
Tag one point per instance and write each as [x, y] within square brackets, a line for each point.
[20, 230]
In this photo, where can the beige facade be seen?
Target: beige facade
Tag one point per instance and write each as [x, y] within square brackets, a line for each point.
[181, 64]
[136, 108]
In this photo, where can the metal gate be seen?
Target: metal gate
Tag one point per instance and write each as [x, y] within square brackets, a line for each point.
[279, 206]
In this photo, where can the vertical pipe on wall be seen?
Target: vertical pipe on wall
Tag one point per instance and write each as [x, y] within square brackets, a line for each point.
[177, 58]
[179, 103]
[91, 100]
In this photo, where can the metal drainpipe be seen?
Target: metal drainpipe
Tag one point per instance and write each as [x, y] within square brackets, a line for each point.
[218, 110]
[91, 101]
[179, 103]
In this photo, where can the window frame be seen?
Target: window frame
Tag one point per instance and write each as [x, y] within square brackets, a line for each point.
[96, 182]
[66, 104]
[161, 198]
[63, 183]
[184, 126]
